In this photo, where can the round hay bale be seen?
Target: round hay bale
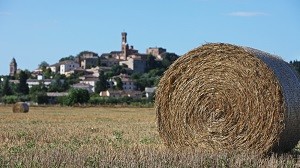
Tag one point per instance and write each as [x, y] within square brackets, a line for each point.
[222, 98]
[20, 107]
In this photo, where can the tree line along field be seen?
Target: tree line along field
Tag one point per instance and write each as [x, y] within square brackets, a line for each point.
[104, 137]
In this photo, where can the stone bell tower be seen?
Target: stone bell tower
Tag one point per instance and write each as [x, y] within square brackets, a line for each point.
[13, 67]
[124, 45]
[124, 38]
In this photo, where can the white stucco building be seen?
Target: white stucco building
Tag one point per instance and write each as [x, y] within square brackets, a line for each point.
[90, 81]
[67, 66]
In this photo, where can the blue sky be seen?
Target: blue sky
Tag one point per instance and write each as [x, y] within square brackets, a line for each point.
[33, 31]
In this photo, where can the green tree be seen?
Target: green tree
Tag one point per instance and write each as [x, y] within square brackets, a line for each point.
[43, 65]
[77, 96]
[48, 73]
[119, 85]
[56, 86]
[41, 98]
[27, 72]
[38, 88]
[61, 83]
[101, 85]
[22, 87]
[72, 79]
[168, 59]
[118, 69]
[151, 63]
[6, 88]
[149, 79]
[99, 61]
[11, 99]
[38, 93]
[71, 57]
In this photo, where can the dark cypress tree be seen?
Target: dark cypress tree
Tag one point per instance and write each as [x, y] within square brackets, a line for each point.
[101, 85]
[22, 87]
[119, 83]
[6, 89]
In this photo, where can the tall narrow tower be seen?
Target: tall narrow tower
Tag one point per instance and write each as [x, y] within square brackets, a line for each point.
[124, 45]
[13, 67]
[124, 38]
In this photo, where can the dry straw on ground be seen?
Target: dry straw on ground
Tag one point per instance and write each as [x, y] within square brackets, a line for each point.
[20, 107]
[221, 97]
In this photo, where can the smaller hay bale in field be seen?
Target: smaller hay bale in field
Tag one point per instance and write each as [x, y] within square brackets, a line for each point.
[20, 107]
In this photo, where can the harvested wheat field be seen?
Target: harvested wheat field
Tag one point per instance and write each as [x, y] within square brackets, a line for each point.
[104, 137]
[222, 97]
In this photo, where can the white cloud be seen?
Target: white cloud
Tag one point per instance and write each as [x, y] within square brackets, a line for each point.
[247, 14]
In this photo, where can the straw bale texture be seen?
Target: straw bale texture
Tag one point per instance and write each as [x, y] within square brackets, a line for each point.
[20, 107]
[221, 98]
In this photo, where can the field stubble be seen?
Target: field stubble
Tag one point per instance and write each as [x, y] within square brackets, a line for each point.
[103, 137]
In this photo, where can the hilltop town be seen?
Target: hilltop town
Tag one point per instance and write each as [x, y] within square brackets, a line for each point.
[126, 73]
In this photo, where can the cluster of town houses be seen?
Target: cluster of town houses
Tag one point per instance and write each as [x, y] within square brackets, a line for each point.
[87, 62]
